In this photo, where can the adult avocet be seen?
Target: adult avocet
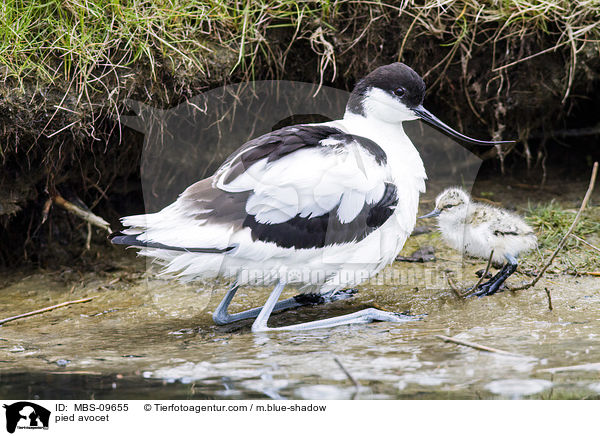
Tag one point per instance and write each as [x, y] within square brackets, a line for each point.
[320, 206]
[479, 229]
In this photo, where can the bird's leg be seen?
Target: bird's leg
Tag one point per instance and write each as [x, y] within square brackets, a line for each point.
[360, 317]
[492, 286]
[487, 284]
[484, 288]
[221, 316]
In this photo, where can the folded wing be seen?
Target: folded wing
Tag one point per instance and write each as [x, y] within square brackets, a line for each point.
[299, 187]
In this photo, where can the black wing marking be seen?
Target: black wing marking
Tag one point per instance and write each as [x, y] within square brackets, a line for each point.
[512, 233]
[280, 143]
[501, 233]
[131, 240]
[320, 231]
[380, 212]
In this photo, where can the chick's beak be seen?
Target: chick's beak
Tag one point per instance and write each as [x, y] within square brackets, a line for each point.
[432, 214]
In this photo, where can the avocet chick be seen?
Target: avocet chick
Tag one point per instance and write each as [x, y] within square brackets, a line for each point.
[476, 229]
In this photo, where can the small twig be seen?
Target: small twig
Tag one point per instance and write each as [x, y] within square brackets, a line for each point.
[475, 346]
[469, 291]
[583, 367]
[86, 215]
[45, 309]
[583, 241]
[483, 276]
[591, 273]
[350, 377]
[563, 241]
[453, 286]
[549, 298]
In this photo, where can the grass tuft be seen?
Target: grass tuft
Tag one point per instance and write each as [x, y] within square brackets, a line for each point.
[53, 40]
[551, 222]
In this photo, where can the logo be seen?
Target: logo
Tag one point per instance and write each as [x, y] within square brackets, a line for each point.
[26, 415]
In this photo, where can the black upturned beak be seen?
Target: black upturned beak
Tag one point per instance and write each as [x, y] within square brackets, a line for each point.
[429, 118]
[432, 214]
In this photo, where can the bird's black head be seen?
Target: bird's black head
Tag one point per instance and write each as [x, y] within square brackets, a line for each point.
[396, 81]
[394, 93]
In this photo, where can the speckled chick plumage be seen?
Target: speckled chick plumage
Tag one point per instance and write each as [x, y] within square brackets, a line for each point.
[476, 229]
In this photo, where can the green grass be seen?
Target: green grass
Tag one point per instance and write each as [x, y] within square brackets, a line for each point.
[551, 221]
[58, 39]
[46, 40]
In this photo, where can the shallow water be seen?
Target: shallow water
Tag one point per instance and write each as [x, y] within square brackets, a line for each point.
[142, 337]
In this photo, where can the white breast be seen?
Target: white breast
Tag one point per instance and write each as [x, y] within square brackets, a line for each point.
[404, 164]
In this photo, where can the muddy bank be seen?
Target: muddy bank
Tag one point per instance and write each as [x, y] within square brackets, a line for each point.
[60, 117]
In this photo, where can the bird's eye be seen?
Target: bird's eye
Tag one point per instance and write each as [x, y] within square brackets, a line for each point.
[400, 92]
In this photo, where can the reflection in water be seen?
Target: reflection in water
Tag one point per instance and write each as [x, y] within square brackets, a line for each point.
[517, 388]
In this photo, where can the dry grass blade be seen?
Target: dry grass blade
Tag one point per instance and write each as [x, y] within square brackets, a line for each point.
[582, 31]
[583, 241]
[45, 309]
